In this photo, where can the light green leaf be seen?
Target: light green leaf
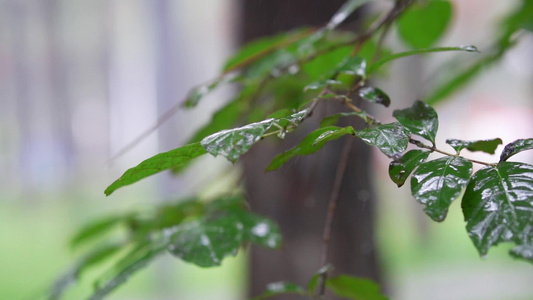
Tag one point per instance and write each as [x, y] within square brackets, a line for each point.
[280, 288]
[155, 164]
[352, 65]
[424, 23]
[373, 94]
[391, 139]
[487, 146]
[421, 119]
[310, 144]
[349, 287]
[95, 229]
[438, 182]
[498, 207]
[401, 169]
[515, 148]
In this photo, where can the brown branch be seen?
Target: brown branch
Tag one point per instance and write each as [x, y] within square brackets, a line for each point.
[332, 204]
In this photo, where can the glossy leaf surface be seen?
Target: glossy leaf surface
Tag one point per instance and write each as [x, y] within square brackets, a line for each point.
[487, 146]
[498, 207]
[375, 95]
[349, 287]
[401, 169]
[515, 148]
[352, 65]
[421, 119]
[438, 182]
[310, 144]
[424, 23]
[334, 119]
[155, 164]
[280, 288]
[391, 138]
[318, 85]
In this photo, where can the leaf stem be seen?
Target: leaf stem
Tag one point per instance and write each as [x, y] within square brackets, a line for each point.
[419, 144]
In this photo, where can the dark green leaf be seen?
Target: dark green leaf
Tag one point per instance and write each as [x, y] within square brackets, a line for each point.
[309, 144]
[344, 12]
[280, 288]
[391, 139]
[95, 229]
[488, 146]
[232, 143]
[174, 214]
[373, 94]
[401, 169]
[523, 252]
[498, 207]
[515, 148]
[206, 243]
[438, 182]
[352, 65]
[421, 119]
[155, 164]
[424, 23]
[354, 288]
[334, 119]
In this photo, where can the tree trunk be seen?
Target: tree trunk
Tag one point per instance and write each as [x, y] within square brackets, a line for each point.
[296, 195]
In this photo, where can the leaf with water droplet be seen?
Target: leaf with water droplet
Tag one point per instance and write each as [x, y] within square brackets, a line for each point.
[470, 48]
[373, 94]
[401, 169]
[259, 230]
[421, 119]
[515, 148]
[318, 85]
[352, 65]
[280, 288]
[498, 207]
[421, 25]
[155, 164]
[439, 182]
[487, 146]
[349, 287]
[313, 142]
[391, 138]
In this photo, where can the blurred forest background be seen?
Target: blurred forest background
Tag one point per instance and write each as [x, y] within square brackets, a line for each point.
[79, 80]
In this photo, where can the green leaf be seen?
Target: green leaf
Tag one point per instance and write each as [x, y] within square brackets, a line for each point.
[424, 23]
[280, 288]
[354, 288]
[232, 143]
[344, 12]
[313, 282]
[515, 148]
[95, 229]
[396, 56]
[488, 146]
[197, 93]
[319, 85]
[438, 182]
[391, 138]
[324, 65]
[373, 94]
[155, 164]
[421, 119]
[352, 65]
[313, 142]
[401, 169]
[498, 207]
[334, 119]
[260, 230]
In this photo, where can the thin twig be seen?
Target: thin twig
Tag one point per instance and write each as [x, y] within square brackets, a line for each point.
[332, 204]
[419, 144]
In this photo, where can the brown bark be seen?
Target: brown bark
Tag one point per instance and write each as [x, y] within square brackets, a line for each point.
[296, 195]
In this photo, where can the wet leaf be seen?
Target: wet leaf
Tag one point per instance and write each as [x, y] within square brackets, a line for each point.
[421, 119]
[375, 95]
[391, 138]
[344, 12]
[334, 119]
[197, 93]
[319, 85]
[401, 169]
[487, 146]
[424, 23]
[515, 148]
[260, 230]
[349, 287]
[313, 282]
[310, 144]
[155, 164]
[498, 207]
[352, 65]
[95, 229]
[280, 288]
[232, 143]
[439, 182]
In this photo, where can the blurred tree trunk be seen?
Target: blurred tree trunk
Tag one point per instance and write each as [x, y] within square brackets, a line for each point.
[296, 195]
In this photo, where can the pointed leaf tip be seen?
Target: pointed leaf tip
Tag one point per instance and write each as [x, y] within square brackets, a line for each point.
[421, 119]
